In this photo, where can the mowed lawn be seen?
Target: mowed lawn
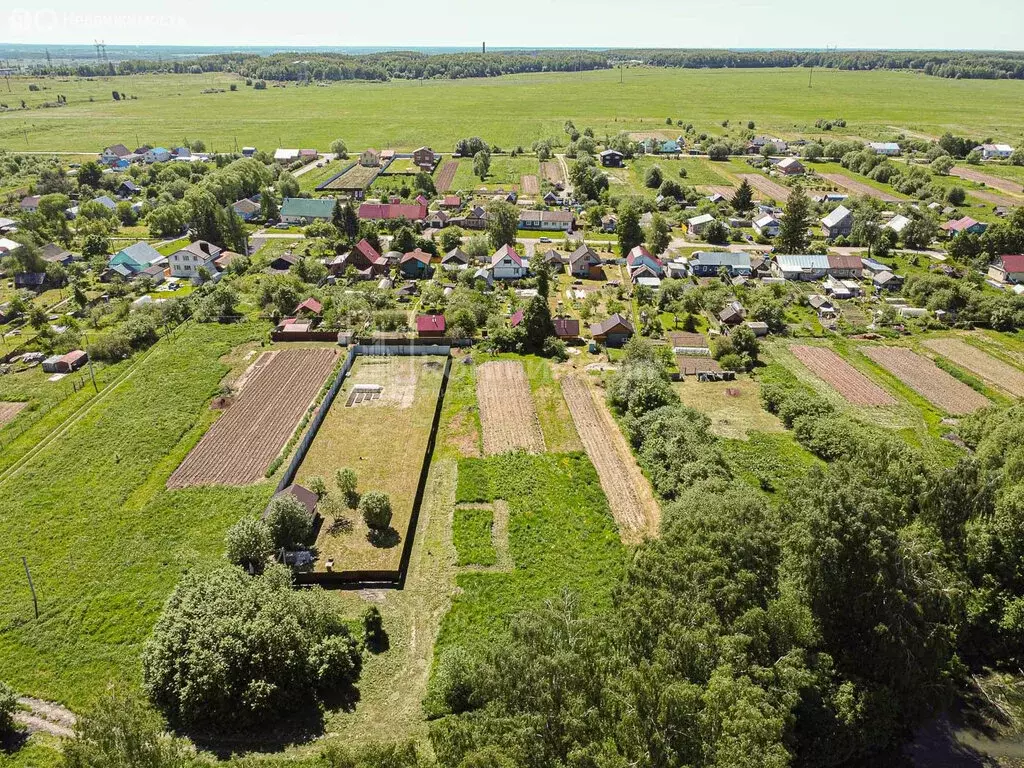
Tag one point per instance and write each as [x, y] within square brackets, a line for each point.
[505, 172]
[508, 111]
[105, 540]
[384, 441]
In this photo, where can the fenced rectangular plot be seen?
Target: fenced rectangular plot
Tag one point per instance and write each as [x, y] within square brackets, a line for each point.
[628, 492]
[446, 175]
[507, 413]
[853, 385]
[860, 187]
[991, 369]
[928, 380]
[243, 442]
[766, 186]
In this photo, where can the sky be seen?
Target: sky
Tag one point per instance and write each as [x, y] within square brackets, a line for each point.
[935, 24]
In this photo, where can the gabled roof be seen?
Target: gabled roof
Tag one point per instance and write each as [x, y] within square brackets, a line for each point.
[515, 318]
[790, 162]
[412, 212]
[1012, 262]
[130, 185]
[586, 254]
[306, 207]
[140, 253]
[54, 252]
[117, 149]
[897, 223]
[789, 262]
[721, 258]
[838, 216]
[304, 495]
[766, 221]
[365, 248]
[430, 323]
[452, 201]
[959, 225]
[837, 261]
[704, 218]
[566, 327]
[310, 305]
[503, 252]
[201, 249]
[245, 205]
[609, 153]
[638, 253]
[455, 255]
[616, 320]
[418, 255]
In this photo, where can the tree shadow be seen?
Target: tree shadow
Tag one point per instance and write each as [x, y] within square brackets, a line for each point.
[13, 741]
[339, 526]
[378, 643]
[383, 538]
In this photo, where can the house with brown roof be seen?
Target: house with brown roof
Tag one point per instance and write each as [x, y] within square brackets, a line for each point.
[393, 211]
[584, 262]
[733, 314]
[548, 220]
[567, 328]
[308, 308]
[188, 261]
[790, 166]
[454, 202]
[425, 158]
[1008, 269]
[415, 264]
[613, 331]
[845, 266]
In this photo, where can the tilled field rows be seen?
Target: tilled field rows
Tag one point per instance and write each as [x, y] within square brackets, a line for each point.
[927, 379]
[975, 360]
[240, 445]
[507, 415]
[446, 175]
[853, 385]
[996, 182]
[860, 188]
[551, 170]
[529, 184]
[766, 186]
[628, 492]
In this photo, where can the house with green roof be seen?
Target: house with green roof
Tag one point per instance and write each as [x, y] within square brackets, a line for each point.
[306, 210]
[135, 258]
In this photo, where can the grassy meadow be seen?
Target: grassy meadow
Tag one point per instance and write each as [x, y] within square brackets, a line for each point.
[105, 540]
[511, 110]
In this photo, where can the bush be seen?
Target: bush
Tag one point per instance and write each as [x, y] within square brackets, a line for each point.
[638, 388]
[8, 706]
[249, 544]
[289, 522]
[317, 485]
[230, 650]
[555, 349]
[376, 509]
[345, 479]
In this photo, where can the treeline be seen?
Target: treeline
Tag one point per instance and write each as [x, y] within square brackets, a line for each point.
[413, 65]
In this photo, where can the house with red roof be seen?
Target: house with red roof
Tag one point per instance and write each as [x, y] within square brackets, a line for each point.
[966, 224]
[415, 264]
[567, 328]
[393, 211]
[451, 201]
[1008, 269]
[428, 326]
[506, 264]
[309, 307]
[640, 263]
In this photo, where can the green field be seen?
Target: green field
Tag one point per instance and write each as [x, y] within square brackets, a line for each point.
[699, 172]
[510, 110]
[505, 172]
[105, 540]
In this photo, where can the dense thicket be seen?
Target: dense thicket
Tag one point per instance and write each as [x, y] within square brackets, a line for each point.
[414, 65]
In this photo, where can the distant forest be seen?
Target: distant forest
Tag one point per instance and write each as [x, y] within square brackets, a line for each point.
[413, 65]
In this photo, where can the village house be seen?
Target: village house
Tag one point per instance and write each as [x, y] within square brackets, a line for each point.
[810, 266]
[364, 259]
[369, 158]
[790, 166]
[451, 202]
[424, 158]
[767, 226]
[156, 155]
[733, 314]
[567, 328]
[29, 204]
[132, 260]
[430, 326]
[709, 263]
[839, 223]
[994, 151]
[415, 264]
[584, 262]
[897, 223]
[112, 154]
[1007, 269]
[611, 158]
[613, 331]
[68, 363]
[609, 223]
[845, 266]
[246, 209]
[286, 155]
[641, 263]
[55, 254]
[887, 281]
[698, 224]
[127, 189]
[547, 220]
[304, 210]
[887, 148]
[412, 212]
[455, 259]
[960, 226]
[188, 261]
[507, 264]
[283, 263]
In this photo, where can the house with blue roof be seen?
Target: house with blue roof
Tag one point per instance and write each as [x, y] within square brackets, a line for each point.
[810, 266]
[708, 263]
[156, 155]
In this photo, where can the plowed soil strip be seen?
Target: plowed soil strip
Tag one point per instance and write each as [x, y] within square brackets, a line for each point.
[766, 186]
[991, 369]
[240, 445]
[9, 410]
[853, 385]
[446, 175]
[860, 188]
[717, 189]
[928, 380]
[529, 184]
[996, 182]
[628, 491]
[507, 413]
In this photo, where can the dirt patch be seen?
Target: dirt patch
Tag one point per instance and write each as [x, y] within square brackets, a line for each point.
[9, 410]
[629, 494]
[446, 175]
[240, 445]
[464, 435]
[853, 385]
[551, 171]
[507, 414]
[995, 371]
[46, 717]
[766, 186]
[396, 377]
[928, 380]
[529, 184]
[716, 189]
[860, 188]
[996, 182]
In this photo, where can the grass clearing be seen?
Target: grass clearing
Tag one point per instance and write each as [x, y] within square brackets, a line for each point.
[472, 534]
[163, 108]
[384, 441]
[734, 407]
[105, 541]
[505, 173]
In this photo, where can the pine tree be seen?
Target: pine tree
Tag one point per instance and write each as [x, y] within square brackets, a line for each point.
[743, 200]
[793, 232]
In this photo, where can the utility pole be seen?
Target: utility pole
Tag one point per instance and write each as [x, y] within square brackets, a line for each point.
[810, 77]
[31, 586]
[92, 372]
